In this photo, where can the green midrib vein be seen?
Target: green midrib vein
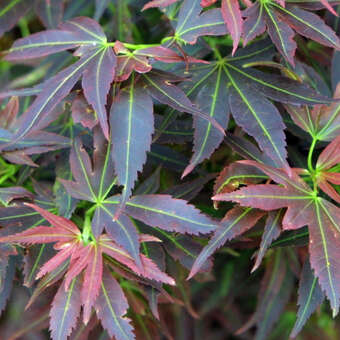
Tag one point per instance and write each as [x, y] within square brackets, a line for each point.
[52, 94]
[162, 212]
[211, 114]
[326, 255]
[303, 22]
[304, 311]
[283, 46]
[123, 228]
[237, 220]
[115, 318]
[312, 100]
[66, 308]
[251, 109]
[129, 128]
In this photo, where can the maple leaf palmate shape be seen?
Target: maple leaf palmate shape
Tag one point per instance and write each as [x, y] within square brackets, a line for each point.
[93, 182]
[304, 207]
[98, 66]
[281, 23]
[84, 258]
[226, 86]
[35, 142]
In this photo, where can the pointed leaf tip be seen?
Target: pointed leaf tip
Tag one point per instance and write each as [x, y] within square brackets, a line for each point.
[65, 310]
[237, 221]
[132, 137]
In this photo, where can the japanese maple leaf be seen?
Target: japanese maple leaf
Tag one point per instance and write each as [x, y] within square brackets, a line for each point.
[281, 23]
[193, 23]
[96, 66]
[238, 220]
[310, 297]
[83, 113]
[17, 217]
[310, 293]
[35, 142]
[84, 257]
[132, 122]
[304, 207]
[325, 175]
[209, 23]
[140, 60]
[7, 270]
[8, 194]
[275, 291]
[232, 16]
[94, 180]
[49, 12]
[322, 122]
[226, 87]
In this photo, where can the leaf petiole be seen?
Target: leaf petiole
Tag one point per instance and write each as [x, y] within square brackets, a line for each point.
[87, 235]
[313, 171]
[23, 26]
[310, 156]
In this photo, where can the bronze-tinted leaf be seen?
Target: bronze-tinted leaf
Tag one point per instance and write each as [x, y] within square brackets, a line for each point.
[111, 306]
[310, 297]
[131, 119]
[192, 25]
[236, 222]
[65, 310]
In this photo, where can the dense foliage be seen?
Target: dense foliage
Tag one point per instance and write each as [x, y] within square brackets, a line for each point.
[169, 169]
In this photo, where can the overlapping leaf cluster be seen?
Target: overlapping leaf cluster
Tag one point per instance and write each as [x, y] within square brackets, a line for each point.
[96, 138]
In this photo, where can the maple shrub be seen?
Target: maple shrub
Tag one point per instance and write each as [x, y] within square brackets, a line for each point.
[169, 169]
